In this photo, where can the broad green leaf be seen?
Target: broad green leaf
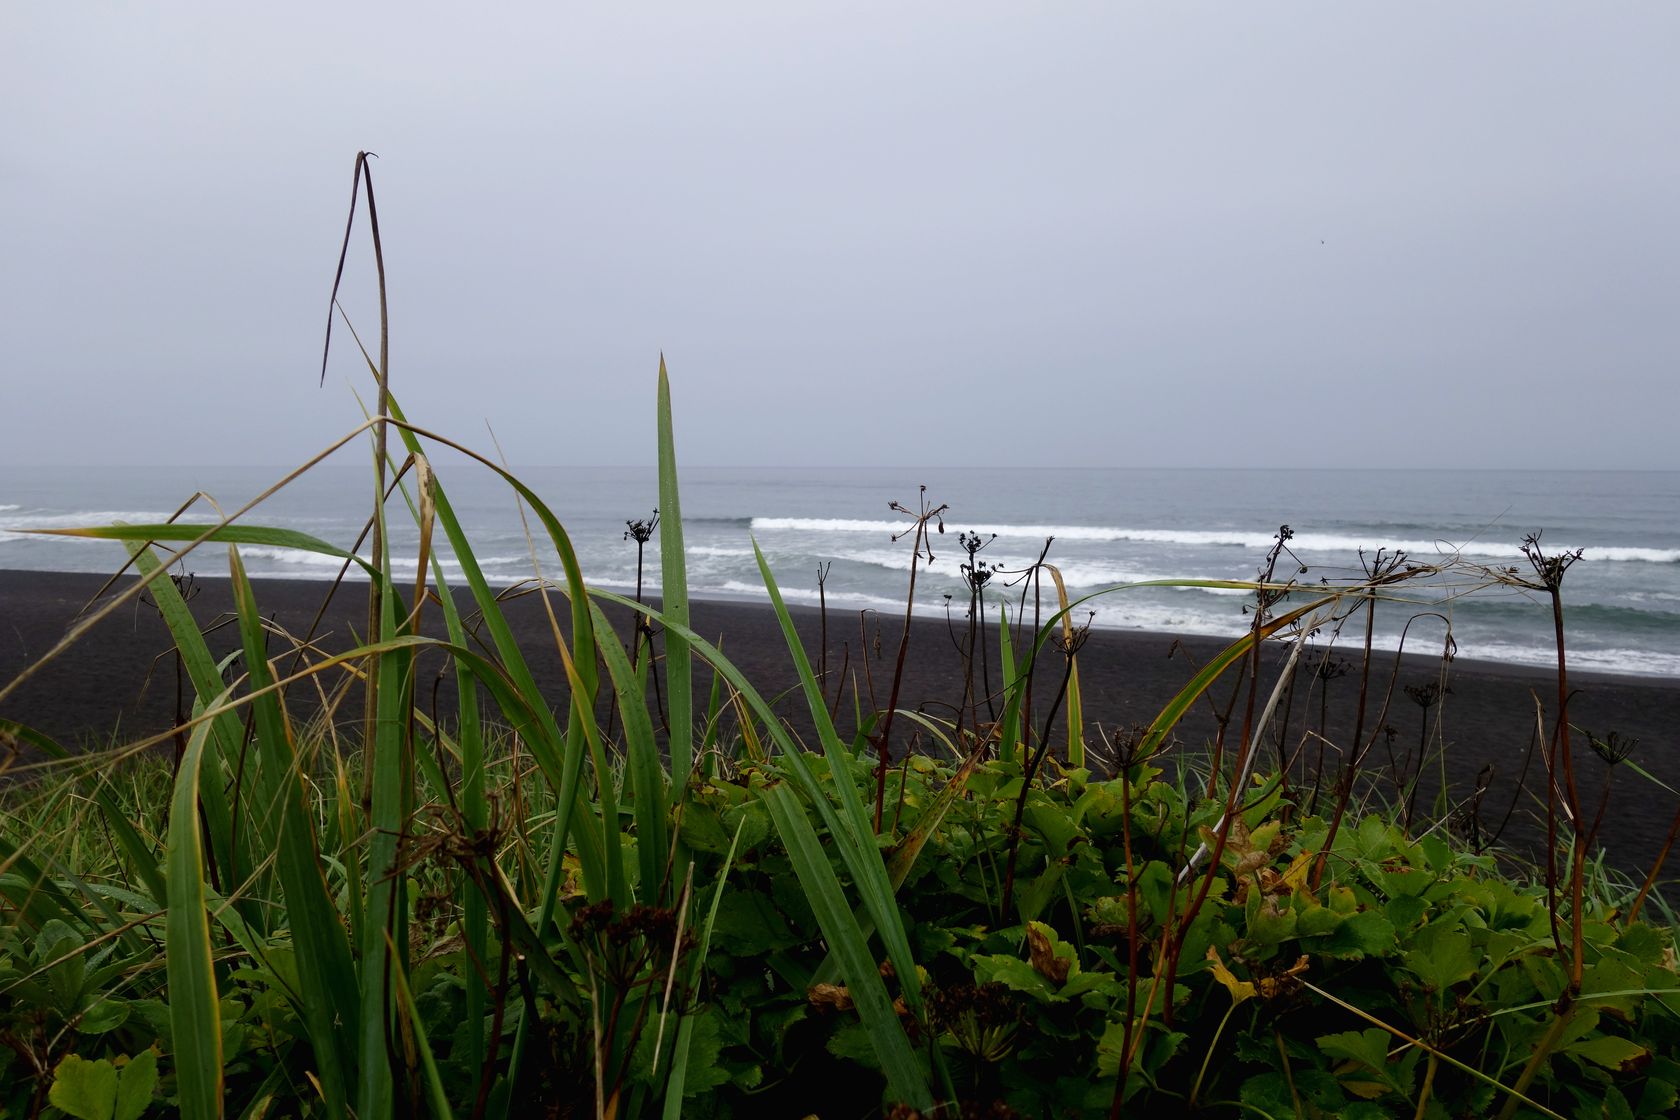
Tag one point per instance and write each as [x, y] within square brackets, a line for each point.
[1313, 920]
[1267, 923]
[85, 1089]
[1659, 1098]
[1016, 974]
[102, 1090]
[1363, 934]
[1368, 1048]
[136, 1082]
[1443, 959]
[714, 814]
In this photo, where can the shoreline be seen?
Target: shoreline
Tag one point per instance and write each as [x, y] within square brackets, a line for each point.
[100, 686]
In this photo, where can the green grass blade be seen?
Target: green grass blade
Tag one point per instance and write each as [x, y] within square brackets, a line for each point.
[206, 677]
[850, 826]
[32, 895]
[905, 1079]
[431, 1080]
[685, 1025]
[904, 855]
[560, 756]
[472, 803]
[714, 710]
[679, 1070]
[1075, 718]
[194, 1013]
[181, 531]
[1202, 681]
[325, 971]
[673, 574]
[1009, 730]
[391, 777]
[475, 813]
[141, 858]
[642, 768]
[863, 864]
[854, 816]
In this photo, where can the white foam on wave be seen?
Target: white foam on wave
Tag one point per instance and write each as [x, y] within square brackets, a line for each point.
[1085, 576]
[7, 508]
[1234, 538]
[1167, 618]
[288, 556]
[1638, 662]
[809, 596]
[304, 559]
[1649, 555]
[718, 552]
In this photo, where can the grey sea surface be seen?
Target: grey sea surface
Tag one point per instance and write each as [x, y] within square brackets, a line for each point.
[1105, 530]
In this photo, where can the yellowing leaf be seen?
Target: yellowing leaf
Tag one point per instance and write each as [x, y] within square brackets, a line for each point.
[1239, 989]
[1296, 877]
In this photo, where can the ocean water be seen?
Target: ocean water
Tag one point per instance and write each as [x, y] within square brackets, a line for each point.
[1106, 528]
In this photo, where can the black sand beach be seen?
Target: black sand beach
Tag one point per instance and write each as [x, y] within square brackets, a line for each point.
[118, 683]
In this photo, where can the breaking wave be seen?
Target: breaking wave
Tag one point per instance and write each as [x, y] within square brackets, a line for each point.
[1234, 538]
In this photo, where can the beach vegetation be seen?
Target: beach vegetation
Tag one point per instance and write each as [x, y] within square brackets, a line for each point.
[657, 894]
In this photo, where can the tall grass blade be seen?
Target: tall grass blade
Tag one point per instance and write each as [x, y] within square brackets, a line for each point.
[431, 1079]
[391, 774]
[850, 827]
[642, 768]
[181, 531]
[906, 1080]
[673, 592]
[194, 1013]
[1009, 728]
[560, 756]
[1202, 681]
[685, 1027]
[322, 952]
[475, 814]
[206, 677]
[903, 858]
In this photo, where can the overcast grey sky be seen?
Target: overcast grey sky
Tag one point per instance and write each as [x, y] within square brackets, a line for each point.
[1053, 234]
